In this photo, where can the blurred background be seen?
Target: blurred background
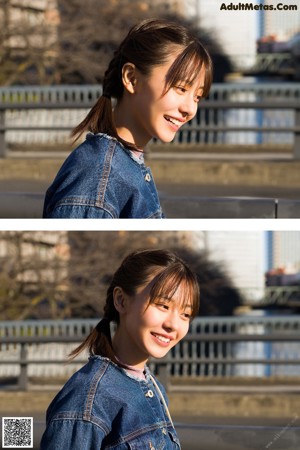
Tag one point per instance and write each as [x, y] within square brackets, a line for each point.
[237, 370]
[244, 141]
[65, 274]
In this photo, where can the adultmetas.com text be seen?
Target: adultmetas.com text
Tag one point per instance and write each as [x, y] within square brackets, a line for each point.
[257, 7]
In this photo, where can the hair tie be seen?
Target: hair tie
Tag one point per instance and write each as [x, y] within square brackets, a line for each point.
[103, 325]
[106, 95]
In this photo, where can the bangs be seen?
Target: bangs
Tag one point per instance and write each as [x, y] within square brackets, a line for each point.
[166, 283]
[187, 67]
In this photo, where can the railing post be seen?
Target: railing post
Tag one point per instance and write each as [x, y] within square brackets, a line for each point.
[2, 133]
[163, 375]
[297, 134]
[23, 378]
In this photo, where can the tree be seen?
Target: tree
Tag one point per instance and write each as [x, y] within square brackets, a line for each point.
[90, 32]
[33, 275]
[66, 274]
[27, 43]
[72, 42]
[95, 256]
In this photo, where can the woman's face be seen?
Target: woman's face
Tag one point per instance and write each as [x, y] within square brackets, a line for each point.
[150, 329]
[153, 113]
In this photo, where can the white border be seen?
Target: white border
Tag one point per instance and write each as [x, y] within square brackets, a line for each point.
[149, 225]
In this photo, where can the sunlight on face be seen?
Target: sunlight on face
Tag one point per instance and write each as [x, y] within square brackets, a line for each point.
[156, 109]
[151, 328]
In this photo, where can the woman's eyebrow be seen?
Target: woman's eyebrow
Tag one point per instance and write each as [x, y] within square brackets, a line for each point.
[188, 307]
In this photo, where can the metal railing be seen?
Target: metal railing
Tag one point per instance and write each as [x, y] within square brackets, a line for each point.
[265, 112]
[218, 347]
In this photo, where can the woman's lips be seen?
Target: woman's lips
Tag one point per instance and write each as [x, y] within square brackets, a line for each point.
[162, 339]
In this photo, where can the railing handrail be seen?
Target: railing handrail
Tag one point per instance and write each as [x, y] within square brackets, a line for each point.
[191, 337]
[222, 98]
[294, 86]
[205, 104]
[284, 318]
[221, 320]
[162, 364]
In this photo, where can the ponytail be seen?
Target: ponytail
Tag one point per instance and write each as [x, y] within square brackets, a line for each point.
[98, 120]
[98, 342]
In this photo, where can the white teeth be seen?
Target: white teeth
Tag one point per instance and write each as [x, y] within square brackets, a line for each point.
[174, 121]
[161, 338]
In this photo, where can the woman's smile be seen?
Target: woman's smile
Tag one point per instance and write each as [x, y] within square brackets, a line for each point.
[150, 330]
[175, 124]
[152, 111]
[162, 339]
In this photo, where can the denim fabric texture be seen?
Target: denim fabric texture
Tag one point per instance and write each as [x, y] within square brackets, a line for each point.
[104, 407]
[102, 179]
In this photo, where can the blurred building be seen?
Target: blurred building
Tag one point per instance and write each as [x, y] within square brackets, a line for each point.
[283, 250]
[30, 24]
[236, 30]
[242, 253]
[282, 24]
[248, 255]
[30, 255]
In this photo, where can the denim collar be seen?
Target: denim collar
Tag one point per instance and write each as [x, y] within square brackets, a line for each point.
[139, 160]
[124, 371]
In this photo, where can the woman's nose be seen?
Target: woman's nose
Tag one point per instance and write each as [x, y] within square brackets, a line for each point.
[188, 106]
[171, 321]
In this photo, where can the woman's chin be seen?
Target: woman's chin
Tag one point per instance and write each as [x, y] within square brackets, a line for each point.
[165, 139]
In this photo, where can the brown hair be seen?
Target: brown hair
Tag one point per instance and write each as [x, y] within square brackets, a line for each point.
[164, 269]
[147, 45]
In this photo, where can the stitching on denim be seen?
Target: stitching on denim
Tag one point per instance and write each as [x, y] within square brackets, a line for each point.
[105, 174]
[92, 392]
[137, 433]
[79, 417]
[78, 201]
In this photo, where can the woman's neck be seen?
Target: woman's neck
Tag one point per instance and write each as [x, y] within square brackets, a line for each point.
[138, 372]
[124, 354]
[127, 128]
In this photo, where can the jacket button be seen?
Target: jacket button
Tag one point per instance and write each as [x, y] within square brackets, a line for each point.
[164, 431]
[149, 394]
[148, 177]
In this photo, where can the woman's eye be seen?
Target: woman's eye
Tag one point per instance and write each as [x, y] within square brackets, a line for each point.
[181, 89]
[162, 305]
[187, 316]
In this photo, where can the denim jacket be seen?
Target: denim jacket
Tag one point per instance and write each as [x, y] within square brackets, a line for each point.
[102, 179]
[102, 406]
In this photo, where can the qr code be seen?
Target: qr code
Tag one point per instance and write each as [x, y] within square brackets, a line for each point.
[17, 432]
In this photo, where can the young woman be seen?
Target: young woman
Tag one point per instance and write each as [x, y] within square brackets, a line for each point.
[114, 402]
[157, 78]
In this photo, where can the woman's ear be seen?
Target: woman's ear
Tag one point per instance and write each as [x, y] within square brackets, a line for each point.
[119, 299]
[129, 77]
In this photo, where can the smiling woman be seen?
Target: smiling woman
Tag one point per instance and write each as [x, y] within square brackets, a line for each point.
[114, 402]
[157, 78]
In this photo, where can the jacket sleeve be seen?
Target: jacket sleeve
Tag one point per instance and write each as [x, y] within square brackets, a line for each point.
[64, 211]
[72, 434]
